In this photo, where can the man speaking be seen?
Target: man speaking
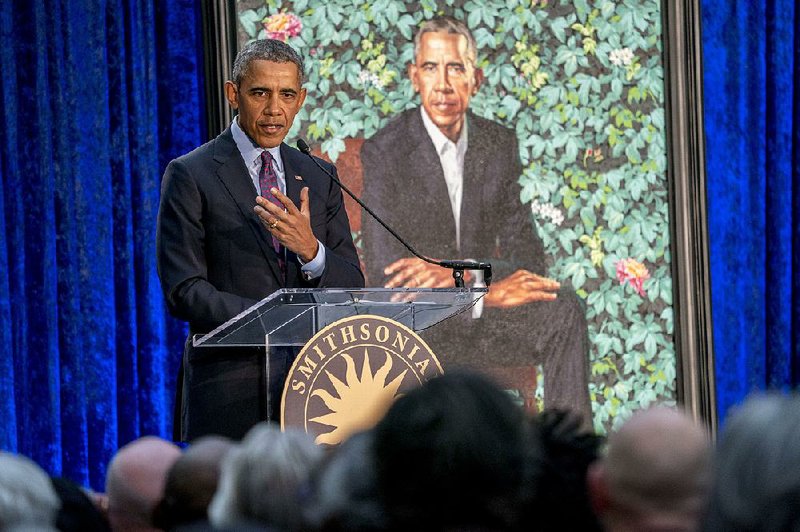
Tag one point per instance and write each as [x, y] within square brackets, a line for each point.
[240, 217]
[446, 179]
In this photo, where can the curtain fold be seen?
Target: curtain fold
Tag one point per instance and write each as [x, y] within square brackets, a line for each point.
[90, 356]
[751, 104]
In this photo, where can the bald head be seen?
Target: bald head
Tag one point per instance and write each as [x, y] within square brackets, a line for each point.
[135, 481]
[656, 474]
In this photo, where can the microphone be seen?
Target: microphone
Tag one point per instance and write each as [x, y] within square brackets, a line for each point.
[458, 266]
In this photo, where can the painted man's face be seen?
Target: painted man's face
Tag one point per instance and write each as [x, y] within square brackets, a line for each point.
[267, 98]
[446, 78]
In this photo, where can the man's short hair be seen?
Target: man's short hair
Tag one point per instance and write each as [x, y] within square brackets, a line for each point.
[447, 25]
[266, 50]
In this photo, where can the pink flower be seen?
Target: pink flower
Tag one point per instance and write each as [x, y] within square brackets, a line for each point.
[281, 26]
[634, 272]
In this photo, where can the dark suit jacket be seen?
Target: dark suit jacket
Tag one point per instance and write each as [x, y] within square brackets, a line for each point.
[215, 259]
[404, 184]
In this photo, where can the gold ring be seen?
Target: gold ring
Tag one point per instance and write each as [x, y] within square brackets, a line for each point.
[273, 225]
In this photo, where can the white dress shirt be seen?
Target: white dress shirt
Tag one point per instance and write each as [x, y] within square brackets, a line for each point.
[451, 156]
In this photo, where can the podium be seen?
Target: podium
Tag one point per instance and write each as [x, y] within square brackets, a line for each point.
[292, 316]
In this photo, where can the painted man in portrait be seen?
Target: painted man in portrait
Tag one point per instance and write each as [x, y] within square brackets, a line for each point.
[446, 180]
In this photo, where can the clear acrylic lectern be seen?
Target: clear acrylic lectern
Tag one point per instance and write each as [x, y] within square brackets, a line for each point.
[292, 316]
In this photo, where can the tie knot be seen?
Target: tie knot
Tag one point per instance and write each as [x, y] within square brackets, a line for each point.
[266, 157]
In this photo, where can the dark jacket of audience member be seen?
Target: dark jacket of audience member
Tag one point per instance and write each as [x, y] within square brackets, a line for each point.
[78, 512]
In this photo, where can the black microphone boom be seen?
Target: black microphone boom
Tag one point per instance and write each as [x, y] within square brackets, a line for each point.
[458, 266]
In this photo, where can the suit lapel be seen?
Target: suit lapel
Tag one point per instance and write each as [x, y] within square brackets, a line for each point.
[290, 165]
[475, 163]
[427, 174]
[236, 179]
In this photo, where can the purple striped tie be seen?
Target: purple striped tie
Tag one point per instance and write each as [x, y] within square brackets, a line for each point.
[267, 179]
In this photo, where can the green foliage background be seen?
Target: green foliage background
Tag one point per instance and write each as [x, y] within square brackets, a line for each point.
[590, 120]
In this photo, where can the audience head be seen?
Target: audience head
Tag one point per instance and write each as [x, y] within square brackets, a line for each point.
[135, 482]
[264, 477]
[452, 454]
[656, 474]
[344, 489]
[557, 498]
[192, 482]
[757, 474]
[78, 512]
[27, 498]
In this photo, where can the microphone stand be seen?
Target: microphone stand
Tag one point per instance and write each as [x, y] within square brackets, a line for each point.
[458, 266]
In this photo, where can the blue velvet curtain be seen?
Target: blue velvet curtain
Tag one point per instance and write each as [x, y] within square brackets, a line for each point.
[752, 118]
[97, 96]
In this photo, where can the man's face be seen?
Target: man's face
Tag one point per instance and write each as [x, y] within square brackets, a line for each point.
[446, 78]
[268, 98]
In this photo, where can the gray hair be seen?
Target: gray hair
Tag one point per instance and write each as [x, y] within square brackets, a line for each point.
[261, 479]
[757, 484]
[266, 50]
[447, 25]
[27, 497]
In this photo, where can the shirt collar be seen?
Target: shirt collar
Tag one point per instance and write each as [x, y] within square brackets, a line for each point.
[439, 139]
[251, 152]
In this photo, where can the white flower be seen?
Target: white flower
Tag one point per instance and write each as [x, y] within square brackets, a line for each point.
[547, 211]
[368, 78]
[621, 57]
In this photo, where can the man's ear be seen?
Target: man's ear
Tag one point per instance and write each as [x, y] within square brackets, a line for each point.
[412, 75]
[478, 80]
[597, 488]
[301, 97]
[232, 94]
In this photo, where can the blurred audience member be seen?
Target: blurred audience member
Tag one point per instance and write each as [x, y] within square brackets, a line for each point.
[135, 482]
[757, 477]
[656, 474]
[453, 454]
[27, 498]
[264, 477]
[78, 512]
[344, 490]
[559, 499]
[192, 482]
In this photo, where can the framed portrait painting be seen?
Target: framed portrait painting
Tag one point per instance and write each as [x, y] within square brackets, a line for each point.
[601, 102]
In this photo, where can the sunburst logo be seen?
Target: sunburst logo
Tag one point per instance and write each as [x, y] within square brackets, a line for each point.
[332, 390]
[361, 401]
